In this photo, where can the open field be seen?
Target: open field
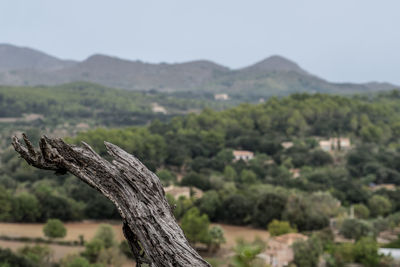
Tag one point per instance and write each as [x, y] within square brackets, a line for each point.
[88, 230]
[232, 233]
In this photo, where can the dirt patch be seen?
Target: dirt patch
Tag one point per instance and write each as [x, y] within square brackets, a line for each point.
[87, 229]
[232, 233]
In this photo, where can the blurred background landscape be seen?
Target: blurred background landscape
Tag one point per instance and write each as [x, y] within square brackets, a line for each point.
[275, 132]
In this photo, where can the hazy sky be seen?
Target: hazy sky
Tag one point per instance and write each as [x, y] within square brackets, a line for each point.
[340, 40]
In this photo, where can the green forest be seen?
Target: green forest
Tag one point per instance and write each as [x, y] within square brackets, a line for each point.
[196, 150]
[99, 105]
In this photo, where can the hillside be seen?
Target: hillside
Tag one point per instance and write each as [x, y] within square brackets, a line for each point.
[272, 76]
[22, 58]
[88, 102]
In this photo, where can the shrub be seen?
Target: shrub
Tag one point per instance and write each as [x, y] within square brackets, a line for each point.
[54, 228]
[280, 227]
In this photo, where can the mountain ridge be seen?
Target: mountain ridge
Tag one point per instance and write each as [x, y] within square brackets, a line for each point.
[275, 75]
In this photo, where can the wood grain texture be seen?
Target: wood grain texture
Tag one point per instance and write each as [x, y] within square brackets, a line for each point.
[149, 224]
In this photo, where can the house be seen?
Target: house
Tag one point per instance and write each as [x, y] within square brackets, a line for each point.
[287, 145]
[279, 252]
[325, 145]
[156, 108]
[221, 97]
[335, 144]
[82, 126]
[295, 173]
[179, 191]
[375, 187]
[242, 155]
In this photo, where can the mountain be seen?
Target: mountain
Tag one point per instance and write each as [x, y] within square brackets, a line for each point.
[274, 63]
[18, 58]
[275, 75]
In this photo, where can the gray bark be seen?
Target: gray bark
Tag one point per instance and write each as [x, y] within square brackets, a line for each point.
[149, 224]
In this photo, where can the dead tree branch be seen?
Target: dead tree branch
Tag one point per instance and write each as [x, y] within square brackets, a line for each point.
[149, 224]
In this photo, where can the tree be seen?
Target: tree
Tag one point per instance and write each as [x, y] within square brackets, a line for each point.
[99, 207]
[222, 159]
[248, 177]
[182, 205]
[39, 255]
[306, 253]
[310, 212]
[366, 252]
[54, 228]
[320, 158]
[166, 177]
[237, 209]
[296, 124]
[277, 227]
[74, 261]
[210, 204]
[26, 208]
[216, 238]
[379, 206]
[230, 173]
[124, 176]
[93, 249]
[5, 204]
[111, 257]
[246, 253]
[196, 180]
[354, 228]
[11, 259]
[105, 233]
[361, 211]
[343, 253]
[195, 226]
[269, 206]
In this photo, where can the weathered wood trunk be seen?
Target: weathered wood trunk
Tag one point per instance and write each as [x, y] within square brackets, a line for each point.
[149, 224]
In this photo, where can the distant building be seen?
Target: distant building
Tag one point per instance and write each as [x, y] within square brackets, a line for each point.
[221, 97]
[376, 187]
[179, 191]
[295, 173]
[279, 252]
[82, 126]
[333, 144]
[156, 108]
[242, 155]
[325, 145]
[287, 145]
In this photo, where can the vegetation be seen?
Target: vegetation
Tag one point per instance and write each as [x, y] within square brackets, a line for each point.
[280, 227]
[54, 228]
[27, 256]
[356, 229]
[306, 253]
[83, 101]
[246, 254]
[195, 226]
[197, 151]
[102, 250]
